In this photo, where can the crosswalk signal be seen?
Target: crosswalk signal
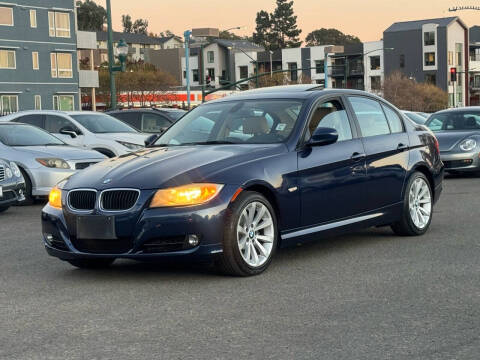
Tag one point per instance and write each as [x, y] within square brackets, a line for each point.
[453, 74]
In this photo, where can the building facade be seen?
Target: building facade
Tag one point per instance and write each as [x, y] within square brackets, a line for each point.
[38, 55]
[426, 50]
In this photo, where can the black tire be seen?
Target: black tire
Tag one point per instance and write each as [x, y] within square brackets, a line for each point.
[106, 152]
[4, 208]
[29, 199]
[230, 261]
[91, 263]
[406, 226]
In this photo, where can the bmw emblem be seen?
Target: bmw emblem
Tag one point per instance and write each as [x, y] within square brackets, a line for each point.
[107, 181]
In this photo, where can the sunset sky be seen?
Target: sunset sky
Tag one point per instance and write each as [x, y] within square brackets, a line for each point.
[365, 18]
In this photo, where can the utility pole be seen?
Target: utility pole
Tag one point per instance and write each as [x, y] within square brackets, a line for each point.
[187, 35]
[111, 58]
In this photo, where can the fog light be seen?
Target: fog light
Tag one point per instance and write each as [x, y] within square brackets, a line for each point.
[49, 238]
[192, 240]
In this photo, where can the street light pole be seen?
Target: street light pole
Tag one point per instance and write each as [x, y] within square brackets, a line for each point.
[187, 35]
[111, 58]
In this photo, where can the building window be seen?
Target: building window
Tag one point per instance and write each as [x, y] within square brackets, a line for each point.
[319, 66]
[459, 52]
[450, 58]
[61, 64]
[35, 63]
[211, 73]
[431, 79]
[429, 38]
[210, 57]
[195, 75]
[103, 58]
[33, 18]
[374, 62]
[184, 74]
[38, 102]
[430, 59]
[6, 16]
[8, 104]
[7, 59]
[293, 71]
[376, 82]
[402, 61]
[59, 24]
[63, 102]
[243, 72]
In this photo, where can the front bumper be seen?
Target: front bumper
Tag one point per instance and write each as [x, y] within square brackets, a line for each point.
[462, 161]
[13, 193]
[142, 233]
[44, 179]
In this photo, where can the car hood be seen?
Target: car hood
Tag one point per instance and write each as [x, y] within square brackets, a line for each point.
[63, 152]
[134, 138]
[154, 168]
[449, 139]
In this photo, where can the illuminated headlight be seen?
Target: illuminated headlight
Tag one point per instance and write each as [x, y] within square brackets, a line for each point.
[468, 145]
[130, 146]
[54, 163]
[15, 169]
[8, 172]
[192, 194]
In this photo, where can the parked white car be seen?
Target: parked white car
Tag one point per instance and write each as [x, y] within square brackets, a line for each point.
[85, 129]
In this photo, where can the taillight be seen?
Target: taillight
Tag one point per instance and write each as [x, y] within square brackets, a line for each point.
[437, 145]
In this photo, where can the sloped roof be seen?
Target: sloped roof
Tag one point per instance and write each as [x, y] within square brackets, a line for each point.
[131, 38]
[417, 24]
[239, 44]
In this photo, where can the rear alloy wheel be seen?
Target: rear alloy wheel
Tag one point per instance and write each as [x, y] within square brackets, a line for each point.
[91, 263]
[418, 207]
[250, 238]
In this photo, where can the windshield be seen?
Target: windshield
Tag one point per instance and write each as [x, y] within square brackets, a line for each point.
[451, 121]
[102, 123]
[235, 122]
[26, 135]
[416, 118]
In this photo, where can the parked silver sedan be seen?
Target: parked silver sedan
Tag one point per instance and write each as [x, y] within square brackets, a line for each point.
[43, 159]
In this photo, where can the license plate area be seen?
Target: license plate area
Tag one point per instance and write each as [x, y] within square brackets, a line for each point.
[96, 227]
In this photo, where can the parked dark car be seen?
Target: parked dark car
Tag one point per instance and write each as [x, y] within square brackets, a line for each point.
[458, 132]
[154, 120]
[12, 185]
[238, 177]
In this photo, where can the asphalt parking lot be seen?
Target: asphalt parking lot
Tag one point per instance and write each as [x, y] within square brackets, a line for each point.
[370, 295]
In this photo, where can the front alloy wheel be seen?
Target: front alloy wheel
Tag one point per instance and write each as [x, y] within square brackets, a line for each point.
[417, 208]
[250, 237]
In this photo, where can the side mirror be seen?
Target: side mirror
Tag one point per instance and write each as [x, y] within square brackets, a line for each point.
[323, 136]
[67, 130]
[151, 139]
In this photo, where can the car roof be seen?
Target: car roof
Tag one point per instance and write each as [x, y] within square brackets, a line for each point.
[460, 109]
[146, 110]
[291, 92]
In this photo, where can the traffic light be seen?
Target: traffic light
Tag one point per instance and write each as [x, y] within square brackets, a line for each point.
[453, 74]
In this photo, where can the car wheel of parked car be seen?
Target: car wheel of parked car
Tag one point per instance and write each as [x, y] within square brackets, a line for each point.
[250, 237]
[418, 207]
[29, 199]
[91, 263]
[4, 208]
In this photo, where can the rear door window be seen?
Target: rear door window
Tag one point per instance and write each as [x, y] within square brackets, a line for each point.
[393, 119]
[370, 116]
[54, 123]
[130, 117]
[34, 119]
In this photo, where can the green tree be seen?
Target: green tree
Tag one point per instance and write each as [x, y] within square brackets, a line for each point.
[140, 26]
[330, 37]
[227, 35]
[166, 33]
[277, 30]
[127, 24]
[285, 32]
[90, 16]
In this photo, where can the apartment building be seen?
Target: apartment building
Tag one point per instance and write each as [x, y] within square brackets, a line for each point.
[474, 68]
[426, 50]
[38, 55]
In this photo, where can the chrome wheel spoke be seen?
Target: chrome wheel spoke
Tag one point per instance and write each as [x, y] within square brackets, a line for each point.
[254, 254]
[265, 238]
[260, 248]
[264, 224]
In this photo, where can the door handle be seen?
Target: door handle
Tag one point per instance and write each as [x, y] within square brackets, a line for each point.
[356, 156]
[402, 147]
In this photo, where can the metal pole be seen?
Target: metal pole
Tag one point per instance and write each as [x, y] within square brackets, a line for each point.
[187, 34]
[271, 64]
[325, 71]
[202, 72]
[111, 58]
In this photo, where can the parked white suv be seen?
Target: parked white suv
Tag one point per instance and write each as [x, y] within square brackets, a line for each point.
[86, 129]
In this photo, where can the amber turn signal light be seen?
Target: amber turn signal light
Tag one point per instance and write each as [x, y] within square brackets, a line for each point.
[192, 194]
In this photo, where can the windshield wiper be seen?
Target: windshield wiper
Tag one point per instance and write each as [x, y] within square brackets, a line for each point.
[53, 144]
[213, 142]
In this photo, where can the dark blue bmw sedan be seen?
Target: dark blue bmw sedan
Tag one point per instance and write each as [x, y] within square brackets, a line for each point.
[239, 177]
